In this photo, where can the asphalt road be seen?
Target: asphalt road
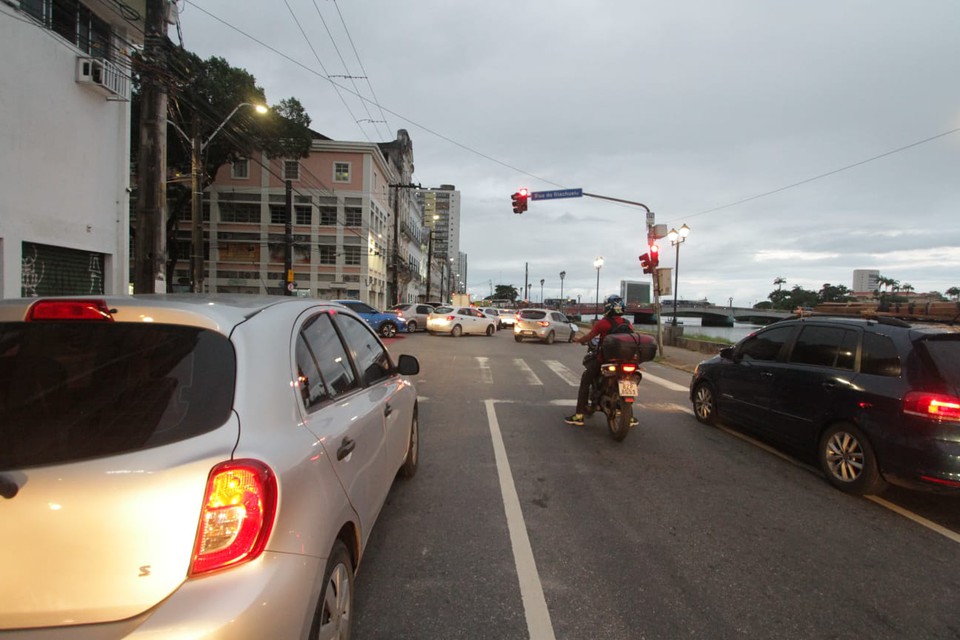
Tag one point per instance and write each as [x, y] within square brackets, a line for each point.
[520, 526]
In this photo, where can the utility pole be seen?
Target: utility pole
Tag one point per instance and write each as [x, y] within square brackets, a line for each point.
[429, 262]
[196, 207]
[288, 240]
[149, 267]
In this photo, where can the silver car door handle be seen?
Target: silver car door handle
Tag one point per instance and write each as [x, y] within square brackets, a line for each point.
[387, 410]
[346, 448]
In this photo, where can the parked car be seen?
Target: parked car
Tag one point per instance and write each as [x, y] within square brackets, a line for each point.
[386, 324]
[494, 313]
[458, 321]
[200, 463]
[875, 400]
[543, 325]
[414, 315]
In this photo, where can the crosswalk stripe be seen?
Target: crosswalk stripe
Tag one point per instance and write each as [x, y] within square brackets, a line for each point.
[532, 378]
[486, 375]
[673, 386]
[565, 374]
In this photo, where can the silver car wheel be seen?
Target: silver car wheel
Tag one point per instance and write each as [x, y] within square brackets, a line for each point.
[334, 613]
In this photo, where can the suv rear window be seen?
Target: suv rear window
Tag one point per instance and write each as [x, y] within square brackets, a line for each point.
[944, 350]
[71, 391]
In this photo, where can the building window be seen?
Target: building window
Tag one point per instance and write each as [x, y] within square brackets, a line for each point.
[354, 216]
[328, 216]
[302, 215]
[278, 214]
[341, 172]
[328, 254]
[240, 212]
[240, 169]
[351, 255]
[291, 169]
[74, 22]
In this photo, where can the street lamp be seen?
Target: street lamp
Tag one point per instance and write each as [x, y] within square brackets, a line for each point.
[196, 166]
[676, 239]
[541, 290]
[596, 309]
[563, 274]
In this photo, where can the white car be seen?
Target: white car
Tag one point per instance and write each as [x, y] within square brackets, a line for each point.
[458, 321]
[494, 313]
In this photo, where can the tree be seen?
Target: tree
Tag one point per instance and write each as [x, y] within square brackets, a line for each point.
[205, 92]
[954, 292]
[831, 293]
[506, 292]
[779, 281]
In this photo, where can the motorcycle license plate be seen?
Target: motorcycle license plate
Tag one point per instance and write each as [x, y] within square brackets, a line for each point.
[628, 387]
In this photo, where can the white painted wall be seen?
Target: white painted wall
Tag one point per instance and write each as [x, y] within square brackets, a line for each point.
[64, 156]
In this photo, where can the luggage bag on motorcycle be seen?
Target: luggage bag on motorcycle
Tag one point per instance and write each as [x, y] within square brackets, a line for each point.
[629, 347]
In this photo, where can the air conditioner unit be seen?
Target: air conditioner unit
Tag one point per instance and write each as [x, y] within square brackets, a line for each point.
[104, 76]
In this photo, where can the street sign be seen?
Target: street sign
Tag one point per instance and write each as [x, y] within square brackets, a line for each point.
[553, 195]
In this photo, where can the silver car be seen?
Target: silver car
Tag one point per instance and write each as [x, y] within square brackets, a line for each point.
[199, 466]
[458, 321]
[544, 325]
[494, 313]
[414, 314]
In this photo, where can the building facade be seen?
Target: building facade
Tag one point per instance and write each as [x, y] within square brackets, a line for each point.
[441, 215]
[347, 224]
[65, 84]
[866, 280]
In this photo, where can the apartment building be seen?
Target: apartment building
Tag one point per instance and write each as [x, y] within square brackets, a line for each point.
[355, 233]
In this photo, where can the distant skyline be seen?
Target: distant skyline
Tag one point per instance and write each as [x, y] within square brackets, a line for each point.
[797, 140]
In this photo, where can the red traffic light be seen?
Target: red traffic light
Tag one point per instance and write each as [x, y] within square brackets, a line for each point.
[654, 255]
[520, 200]
[523, 193]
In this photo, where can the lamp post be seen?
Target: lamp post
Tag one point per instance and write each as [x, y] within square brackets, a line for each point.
[676, 239]
[596, 309]
[196, 166]
[563, 274]
[541, 289]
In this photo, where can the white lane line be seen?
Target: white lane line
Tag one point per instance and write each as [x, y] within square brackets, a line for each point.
[568, 376]
[539, 625]
[527, 372]
[672, 386]
[486, 374]
[933, 526]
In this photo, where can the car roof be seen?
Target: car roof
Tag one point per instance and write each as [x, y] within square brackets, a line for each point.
[219, 312]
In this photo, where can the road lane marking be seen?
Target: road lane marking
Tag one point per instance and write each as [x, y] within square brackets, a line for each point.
[539, 625]
[910, 515]
[568, 376]
[527, 372]
[486, 375]
[663, 382]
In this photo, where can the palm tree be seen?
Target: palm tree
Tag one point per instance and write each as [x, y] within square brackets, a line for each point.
[779, 282]
[954, 292]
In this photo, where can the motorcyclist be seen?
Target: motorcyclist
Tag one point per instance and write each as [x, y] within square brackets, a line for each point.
[612, 316]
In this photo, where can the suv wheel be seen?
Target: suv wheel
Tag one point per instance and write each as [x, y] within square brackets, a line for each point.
[705, 404]
[848, 461]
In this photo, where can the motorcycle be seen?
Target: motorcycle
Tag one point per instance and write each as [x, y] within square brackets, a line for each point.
[615, 390]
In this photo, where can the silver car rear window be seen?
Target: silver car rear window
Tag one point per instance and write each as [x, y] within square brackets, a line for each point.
[532, 315]
[73, 391]
[443, 310]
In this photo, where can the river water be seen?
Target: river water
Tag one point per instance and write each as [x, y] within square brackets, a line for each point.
[733, 334]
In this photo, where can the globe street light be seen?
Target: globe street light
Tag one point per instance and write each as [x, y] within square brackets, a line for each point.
[563, 274]
[676, 239]
[596, 309]
[541, 290]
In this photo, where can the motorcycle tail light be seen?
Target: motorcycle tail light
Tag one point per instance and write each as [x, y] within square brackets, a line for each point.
[237, 516]
[629, 368]
[610, 368]
[934, 406]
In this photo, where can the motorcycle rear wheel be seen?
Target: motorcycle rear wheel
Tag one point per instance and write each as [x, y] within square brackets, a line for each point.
[619, 422]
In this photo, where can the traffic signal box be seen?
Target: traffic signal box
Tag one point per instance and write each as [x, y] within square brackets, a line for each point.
[520, 200]
[645, 263]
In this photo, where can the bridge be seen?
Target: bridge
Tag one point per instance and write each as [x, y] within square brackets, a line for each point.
[710, 315]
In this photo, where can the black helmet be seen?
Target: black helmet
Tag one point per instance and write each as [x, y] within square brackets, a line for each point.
[613, 305]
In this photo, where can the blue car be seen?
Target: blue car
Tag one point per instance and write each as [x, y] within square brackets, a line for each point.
[385, 324]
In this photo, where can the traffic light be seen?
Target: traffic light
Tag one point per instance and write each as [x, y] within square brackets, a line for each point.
[645, 263]
[654, 256]
[520, 200]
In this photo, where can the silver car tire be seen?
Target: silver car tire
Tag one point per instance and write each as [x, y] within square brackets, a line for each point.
[490, 330]
[457, 331]
[550, 338]
[412, 326]
[334, 615]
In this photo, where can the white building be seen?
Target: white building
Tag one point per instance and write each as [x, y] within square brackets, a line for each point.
[65, 146]
[865, 280]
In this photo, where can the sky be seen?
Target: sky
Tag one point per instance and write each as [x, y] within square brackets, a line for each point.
[796, 140]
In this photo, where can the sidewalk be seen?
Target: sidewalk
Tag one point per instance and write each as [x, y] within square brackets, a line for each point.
[680, 358]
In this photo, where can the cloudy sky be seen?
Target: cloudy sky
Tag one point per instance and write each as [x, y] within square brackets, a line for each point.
[800, 140]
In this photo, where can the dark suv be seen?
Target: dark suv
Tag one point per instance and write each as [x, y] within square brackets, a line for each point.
[877, 400]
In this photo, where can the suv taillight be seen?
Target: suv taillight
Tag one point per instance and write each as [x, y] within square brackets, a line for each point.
[69, 310]
[237, 516]
[935, 406]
